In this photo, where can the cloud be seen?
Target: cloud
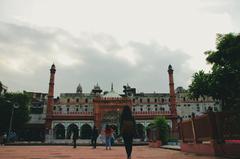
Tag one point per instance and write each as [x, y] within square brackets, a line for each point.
[27, 52]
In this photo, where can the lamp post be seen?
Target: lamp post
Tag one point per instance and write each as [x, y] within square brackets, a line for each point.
[15, 106]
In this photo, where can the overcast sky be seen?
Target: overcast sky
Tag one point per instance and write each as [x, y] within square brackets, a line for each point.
[105, 41]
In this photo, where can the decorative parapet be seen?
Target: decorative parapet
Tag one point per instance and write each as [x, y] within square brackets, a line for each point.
[57, 113]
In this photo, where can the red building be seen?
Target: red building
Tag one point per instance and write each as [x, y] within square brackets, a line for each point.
[80, 111]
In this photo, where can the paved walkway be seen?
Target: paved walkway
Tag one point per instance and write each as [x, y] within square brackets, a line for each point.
[84, 152]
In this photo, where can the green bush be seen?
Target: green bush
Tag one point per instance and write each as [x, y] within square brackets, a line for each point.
[161, 124]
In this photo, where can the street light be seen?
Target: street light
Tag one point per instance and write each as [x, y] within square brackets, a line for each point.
[15, 106]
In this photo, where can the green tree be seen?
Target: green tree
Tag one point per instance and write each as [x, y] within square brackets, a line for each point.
[223, 82]
[21, 114]
[161, 124]
[200, 85]
[0, 88]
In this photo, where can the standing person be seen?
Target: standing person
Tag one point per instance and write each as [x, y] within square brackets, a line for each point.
[128, 129]
[74, 137]
[108, 135]
[94, 136]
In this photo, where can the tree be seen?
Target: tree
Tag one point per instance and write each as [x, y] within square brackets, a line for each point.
[0, 87]
[21, 114]
[161, 124]
[223, 82]
[200, 85]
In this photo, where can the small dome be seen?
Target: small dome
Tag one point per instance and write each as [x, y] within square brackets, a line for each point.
[112, 94]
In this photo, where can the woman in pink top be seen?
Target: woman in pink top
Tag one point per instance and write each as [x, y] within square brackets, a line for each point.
[108, 135]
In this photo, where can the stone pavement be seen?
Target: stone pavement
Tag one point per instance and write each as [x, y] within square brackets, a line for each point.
[86, 152]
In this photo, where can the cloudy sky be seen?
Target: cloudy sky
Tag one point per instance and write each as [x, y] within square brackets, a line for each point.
[104, 41]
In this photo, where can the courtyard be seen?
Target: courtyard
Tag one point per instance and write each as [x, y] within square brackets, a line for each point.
[86, 152]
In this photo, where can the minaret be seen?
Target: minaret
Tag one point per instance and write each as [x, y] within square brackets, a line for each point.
[172, 101]
[50, 97]
[172, 91]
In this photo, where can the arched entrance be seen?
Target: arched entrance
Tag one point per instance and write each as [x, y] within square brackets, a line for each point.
[111, 118]
[86, 132]
[140, 131]
[72, 128]
[59, 131]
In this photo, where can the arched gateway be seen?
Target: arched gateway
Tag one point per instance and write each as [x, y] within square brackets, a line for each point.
[108, 108]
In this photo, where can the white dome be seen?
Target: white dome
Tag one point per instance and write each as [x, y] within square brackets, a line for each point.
[112, 94]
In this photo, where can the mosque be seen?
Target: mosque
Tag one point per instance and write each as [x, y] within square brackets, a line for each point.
[80, 111]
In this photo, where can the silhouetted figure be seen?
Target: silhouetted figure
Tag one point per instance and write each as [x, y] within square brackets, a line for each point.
[74, 137]
[108, 135]
[94, 136]
[128, 129]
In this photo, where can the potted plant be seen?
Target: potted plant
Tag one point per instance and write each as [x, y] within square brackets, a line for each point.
[159, 132]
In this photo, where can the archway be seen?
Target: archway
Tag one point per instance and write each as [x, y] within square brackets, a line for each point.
[86, 131]
[59, 131]
[72, 128]
[140, 131]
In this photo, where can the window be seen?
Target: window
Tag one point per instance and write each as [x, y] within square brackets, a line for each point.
[155, 109]
[140, 100]
[133, 100]
[77, 100]
[155, 100]
[184, 99]
[189, 105]
[149, 109]
[141, 109]
[133, 109]
[198, 108]
[54, 108]
[77, 109]
[86, 100]
[85, 109]
[162, 100]
[148, 100]
[68, 100]
[67, 109]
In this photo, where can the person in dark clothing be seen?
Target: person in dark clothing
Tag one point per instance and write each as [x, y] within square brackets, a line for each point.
[94, 136]
[128, 129]
[74, 137]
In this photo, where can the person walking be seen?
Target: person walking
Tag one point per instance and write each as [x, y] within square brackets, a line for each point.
[74, 137]
[94, 136]
[108, 135]
[127, 129]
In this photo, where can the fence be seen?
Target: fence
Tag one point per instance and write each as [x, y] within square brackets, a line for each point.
[217, 127]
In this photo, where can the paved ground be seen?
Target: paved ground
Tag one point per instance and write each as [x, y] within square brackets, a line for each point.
[84, 152]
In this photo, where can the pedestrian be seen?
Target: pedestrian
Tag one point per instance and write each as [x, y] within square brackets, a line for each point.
[94, 136]
[127, 129]
[108, 135]
[74, 138]
[1, 139]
